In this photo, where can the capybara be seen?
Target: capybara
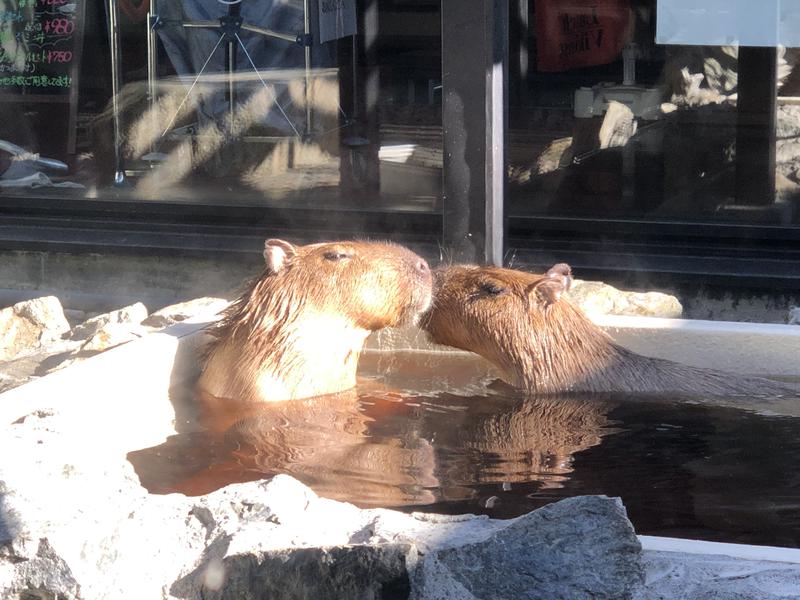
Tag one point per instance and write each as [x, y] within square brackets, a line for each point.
[543, 344]
[298, 329]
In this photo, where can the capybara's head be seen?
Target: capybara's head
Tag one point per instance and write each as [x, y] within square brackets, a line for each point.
[325, 287]
[371, 284]
[479, 308]
[514, 319]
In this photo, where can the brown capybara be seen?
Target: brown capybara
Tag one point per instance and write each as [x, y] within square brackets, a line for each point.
[543, 344]
[298, 329]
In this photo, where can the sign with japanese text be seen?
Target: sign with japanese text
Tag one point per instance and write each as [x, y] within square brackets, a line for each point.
[571, 34]
[40, 44]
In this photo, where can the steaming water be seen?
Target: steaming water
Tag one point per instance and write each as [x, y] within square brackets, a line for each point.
[431, 433]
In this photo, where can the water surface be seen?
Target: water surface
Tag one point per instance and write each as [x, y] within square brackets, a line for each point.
[440, 435]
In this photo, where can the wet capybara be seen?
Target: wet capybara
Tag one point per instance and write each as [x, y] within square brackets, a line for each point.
[543, 344]
[298, 329]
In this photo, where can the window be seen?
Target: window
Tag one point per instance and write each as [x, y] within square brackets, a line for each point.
[207, 102]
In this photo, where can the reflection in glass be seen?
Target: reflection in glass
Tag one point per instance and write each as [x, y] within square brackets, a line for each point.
[606, 123]
[204, 101]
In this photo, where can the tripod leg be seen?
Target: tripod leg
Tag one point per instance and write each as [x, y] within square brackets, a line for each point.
[307, 49]
[191, 88]
[266, 87]
[231, 83]
[152, 66]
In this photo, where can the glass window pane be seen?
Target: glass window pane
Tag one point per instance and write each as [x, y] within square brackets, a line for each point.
[257, 102]
[606, 123]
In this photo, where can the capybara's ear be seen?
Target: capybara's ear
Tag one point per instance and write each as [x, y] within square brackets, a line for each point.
[555, 282]
[563, 272]
[277, 253]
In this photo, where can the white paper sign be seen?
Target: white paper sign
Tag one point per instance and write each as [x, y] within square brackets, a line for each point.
[337, 19]
[728, 22]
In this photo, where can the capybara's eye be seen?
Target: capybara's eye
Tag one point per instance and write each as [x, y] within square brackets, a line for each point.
[492, 289]
[334, 256]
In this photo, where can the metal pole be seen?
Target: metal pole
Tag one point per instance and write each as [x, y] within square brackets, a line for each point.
[231, 70]
[355, 78]
[497, 117]
[307, 48]
[152, 53]
[113, 38]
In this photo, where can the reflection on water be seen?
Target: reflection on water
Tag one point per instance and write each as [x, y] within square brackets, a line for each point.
[690, 470]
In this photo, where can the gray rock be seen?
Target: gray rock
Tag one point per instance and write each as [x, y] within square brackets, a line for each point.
[29, 325]
[788, 121]
[354, 572]
[129, 315]
[598, 298]
[582, 547]
[175, 313]
[45, 570]
[793, 318]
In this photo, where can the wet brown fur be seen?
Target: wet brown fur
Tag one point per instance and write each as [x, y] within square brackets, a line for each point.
[300, 325]
[543, 344]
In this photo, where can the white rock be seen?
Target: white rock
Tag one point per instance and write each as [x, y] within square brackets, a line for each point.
[598, 298]
[206, 306]
[31, 324]
[132, 315]
[110, 335]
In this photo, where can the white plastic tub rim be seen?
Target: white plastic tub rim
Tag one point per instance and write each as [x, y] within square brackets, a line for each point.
[737, 551]
[764, 349]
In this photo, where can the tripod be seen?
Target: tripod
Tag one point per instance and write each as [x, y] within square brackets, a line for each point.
[229, 26]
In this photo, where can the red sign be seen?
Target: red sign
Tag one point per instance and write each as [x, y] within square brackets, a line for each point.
[580, 33]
